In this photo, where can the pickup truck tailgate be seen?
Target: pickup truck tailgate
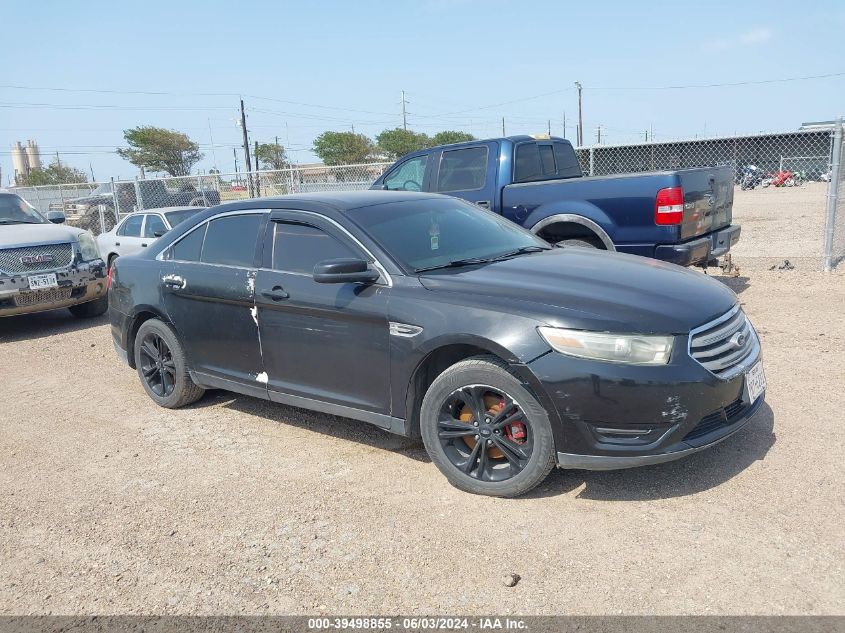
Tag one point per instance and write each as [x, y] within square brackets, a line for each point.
[708, 199]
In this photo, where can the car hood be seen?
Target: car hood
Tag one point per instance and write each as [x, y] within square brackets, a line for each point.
[13, 235]
[591, 289]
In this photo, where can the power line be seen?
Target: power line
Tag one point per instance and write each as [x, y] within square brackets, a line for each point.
[721, 85]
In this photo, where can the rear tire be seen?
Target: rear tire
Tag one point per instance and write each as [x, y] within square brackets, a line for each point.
[90, 309]
[167, 382]
[578, 243]
[486, 471]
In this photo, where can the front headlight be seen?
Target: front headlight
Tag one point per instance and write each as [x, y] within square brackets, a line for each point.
[634, 349]
[88, 247]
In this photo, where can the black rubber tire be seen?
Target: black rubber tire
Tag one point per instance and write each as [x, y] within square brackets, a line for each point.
[492, 371]
[185, 391]
[578, 243]
[90, 308]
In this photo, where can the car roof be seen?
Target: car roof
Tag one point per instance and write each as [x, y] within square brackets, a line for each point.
[168, 209]
[338, 200]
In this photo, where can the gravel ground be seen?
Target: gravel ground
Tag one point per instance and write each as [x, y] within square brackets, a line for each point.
[109, 504]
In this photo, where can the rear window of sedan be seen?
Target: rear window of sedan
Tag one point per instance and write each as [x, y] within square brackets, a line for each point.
[176, 217]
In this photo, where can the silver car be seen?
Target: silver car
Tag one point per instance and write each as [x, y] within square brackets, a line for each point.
[44, 266]
[140, 229]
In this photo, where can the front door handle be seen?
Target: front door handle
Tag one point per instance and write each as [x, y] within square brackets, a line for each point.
[485, 204]
[174, 281]
[144, 245]
[277, 293]
[117, 243]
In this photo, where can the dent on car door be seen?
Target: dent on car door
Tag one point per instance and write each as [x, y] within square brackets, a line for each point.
[327, 342]
[208, 280]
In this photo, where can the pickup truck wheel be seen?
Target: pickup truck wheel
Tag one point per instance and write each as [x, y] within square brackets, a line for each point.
[579, 243]
[90, 308]
[485, 431]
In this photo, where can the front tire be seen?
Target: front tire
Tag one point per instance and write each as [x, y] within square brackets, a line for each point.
[578, 243]
[90, 309]
[162, 366]
[485, 431]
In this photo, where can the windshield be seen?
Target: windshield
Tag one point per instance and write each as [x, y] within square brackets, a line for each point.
[102, 189]
[175, 217]
[437, 232]
[16, 210]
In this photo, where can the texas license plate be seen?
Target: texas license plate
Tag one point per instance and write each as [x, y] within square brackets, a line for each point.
[755, 382]
[39, 282]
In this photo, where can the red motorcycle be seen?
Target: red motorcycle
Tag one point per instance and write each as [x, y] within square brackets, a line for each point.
[783, 178]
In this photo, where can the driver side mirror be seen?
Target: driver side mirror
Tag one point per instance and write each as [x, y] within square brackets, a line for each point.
[158, 233]
[56, 217]
[344, 270]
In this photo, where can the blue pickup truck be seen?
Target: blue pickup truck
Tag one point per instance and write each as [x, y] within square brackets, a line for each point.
[681, 216]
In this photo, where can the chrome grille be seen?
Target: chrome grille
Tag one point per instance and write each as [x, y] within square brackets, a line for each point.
[52, 295]
[726, 345]
[10, 258]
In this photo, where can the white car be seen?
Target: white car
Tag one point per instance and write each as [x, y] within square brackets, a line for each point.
[140, 229]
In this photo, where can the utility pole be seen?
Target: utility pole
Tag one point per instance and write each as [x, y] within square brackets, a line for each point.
[404, 112]
[503, 126]
[235, 154]
[257, 181]
[246, 149]
[58, 161]
[353, 128]
[550, 127]
[598, 135]
[91, 167]
[580, 116]
[564, 124]
[211, 138]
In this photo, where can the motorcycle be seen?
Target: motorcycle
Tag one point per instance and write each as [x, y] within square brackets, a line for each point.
[751, 177]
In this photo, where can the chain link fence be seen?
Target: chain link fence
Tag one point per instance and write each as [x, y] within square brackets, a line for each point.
[805, 161]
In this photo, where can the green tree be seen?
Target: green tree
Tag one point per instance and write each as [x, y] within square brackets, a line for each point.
[272, 156]
[54, 174]
[160, 150]
[343, 148]
[451, 136]
[398, 142]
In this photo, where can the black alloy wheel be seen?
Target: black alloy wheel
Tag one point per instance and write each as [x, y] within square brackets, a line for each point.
[157, 366]
[485, 433]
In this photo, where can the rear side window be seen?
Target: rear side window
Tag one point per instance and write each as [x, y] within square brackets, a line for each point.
[231, 241]
[297, 248]
[566, 161]
[188, 249]
[545, 161]
[132, 226]
[526, 163]
[408, 176]
[462, 169]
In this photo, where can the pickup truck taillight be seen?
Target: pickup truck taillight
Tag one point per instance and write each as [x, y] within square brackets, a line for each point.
[669, 206]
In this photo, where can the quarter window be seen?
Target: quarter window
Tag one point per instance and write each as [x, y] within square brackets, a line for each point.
[132, 226]
[408, 176]
[297, 248]
[527, 163]
[462, 169]
[154, 225]
[231, 241]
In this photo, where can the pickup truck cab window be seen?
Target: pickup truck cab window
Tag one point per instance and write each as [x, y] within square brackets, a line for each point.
[407, 176]
[545, 161]
[297, 248]
[462, 169]
[231, 240]
[132, 226]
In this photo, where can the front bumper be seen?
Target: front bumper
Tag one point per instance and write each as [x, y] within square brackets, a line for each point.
[612, 416]
[700, 250]
[78, 283]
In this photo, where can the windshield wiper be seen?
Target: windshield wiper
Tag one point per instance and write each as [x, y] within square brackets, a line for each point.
[455, 263]
[519, 251]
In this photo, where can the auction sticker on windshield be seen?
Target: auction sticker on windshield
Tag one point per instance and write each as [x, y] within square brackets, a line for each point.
[755, 381]
[39, 282]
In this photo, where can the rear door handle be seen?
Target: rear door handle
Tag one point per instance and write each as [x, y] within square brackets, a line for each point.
[144, 245]
[174, 281]
[117, 243]
[276, 294]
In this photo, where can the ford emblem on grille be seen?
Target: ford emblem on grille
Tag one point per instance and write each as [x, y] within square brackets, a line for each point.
[37, 259]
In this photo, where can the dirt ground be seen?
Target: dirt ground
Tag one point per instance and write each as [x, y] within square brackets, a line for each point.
[109, 504]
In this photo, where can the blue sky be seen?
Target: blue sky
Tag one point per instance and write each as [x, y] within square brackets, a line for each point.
[306, 67]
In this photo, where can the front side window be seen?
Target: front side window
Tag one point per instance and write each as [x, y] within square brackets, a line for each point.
[154, 225]
[297, 248]
[408, 176]
[462, 169]
[132, 226]
[231, 240]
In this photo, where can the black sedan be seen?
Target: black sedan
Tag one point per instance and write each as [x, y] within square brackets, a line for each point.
[428, 316]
